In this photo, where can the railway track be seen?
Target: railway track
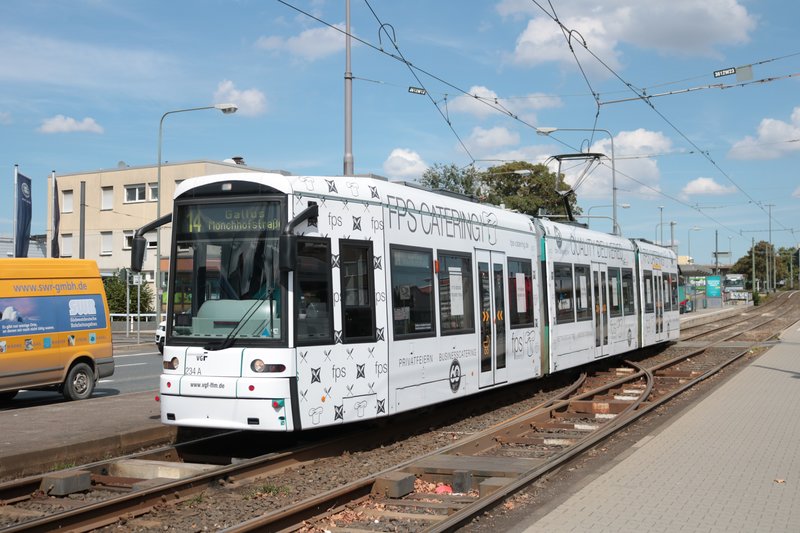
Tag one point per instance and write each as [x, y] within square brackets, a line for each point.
[478, 470]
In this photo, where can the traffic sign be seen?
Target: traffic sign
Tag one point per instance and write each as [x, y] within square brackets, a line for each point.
[417, 90]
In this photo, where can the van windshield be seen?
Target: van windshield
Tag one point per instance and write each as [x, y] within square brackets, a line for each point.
[226, 277]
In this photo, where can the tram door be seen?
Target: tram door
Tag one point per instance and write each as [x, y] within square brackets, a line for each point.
[492, 299]
[600, 296]
[658, 296]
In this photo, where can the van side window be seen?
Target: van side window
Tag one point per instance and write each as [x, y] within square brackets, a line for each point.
[313, 294]
[358, 291]
[412, 292]
[456, 307]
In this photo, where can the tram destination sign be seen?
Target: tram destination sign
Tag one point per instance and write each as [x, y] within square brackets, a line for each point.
[230, 218]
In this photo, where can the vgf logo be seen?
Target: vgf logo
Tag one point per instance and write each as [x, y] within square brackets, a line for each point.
[201, 357]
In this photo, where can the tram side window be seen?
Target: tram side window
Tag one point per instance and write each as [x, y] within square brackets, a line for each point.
[628, 292]
[562, 279]
[665, 279]
[520, 292]
[456, 308]
[674, 291]
[412, 292]
[647, 281]
[358, 293]
[614, 292]
[313, 291]
[583, 293]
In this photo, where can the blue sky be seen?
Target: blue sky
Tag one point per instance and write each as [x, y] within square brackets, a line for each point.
[85, 82]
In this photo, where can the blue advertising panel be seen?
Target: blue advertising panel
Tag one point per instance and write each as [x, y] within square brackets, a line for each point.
[51, 314]
[713, 287]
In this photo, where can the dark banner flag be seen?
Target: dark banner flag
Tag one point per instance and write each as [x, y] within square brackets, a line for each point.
[55, 251]
[22, 229]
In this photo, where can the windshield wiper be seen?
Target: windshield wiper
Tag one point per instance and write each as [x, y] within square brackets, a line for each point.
[227, 342]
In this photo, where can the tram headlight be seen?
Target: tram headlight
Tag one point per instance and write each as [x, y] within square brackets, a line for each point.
[261, 367]
[172, 364]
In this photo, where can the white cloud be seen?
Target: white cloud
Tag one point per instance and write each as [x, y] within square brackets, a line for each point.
[310, 45]
[5, 118]
[774, 139]
[796, 193]
[706, 186]
[482, 139]
[62, 124]
[251, 102]
[542, 41]
[685, 27]
[640, 142]
[404, 163]
[521, 106]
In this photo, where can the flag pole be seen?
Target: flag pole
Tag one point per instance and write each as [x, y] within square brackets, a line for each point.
[14, 222]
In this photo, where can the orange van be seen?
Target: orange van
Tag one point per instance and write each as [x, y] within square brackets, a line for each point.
[55, 329]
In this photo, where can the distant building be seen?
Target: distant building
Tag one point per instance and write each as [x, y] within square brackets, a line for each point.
[36, 248]
[117, 202]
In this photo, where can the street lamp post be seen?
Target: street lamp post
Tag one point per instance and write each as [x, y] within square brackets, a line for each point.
[589, 214]
[226, 109]
[548, 131]
[689, 242]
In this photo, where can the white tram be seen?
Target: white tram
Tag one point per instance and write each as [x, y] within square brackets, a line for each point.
[299, 302]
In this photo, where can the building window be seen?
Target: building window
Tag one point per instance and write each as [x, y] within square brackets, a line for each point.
[358, 294]
[107, 199]
[66, 245]
[520, 292]
[66, 202]
[106, 242]
[456, 307]
[153, 191]
[135, 193]
[412, 292]
[127, 240]
[152, 240]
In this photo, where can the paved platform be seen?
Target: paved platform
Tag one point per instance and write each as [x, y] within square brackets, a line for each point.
[62, 434]
[731, 463]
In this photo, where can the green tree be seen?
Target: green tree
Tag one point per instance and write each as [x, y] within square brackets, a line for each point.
[744, 265]
[527, 188]
[117, 299]
[452, 178]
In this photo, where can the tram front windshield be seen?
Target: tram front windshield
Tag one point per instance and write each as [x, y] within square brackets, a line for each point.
[226, 286]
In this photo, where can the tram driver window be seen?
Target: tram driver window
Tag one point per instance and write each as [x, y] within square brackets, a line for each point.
[412, 292]
[313, 291]
[562, 279]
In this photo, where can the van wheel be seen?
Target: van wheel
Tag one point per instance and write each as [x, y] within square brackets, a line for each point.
[79, 384]
[7, 395]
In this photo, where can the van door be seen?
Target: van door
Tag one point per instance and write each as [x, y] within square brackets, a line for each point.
[492, 317]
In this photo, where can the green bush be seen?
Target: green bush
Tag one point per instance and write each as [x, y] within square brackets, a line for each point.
[116, 295]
